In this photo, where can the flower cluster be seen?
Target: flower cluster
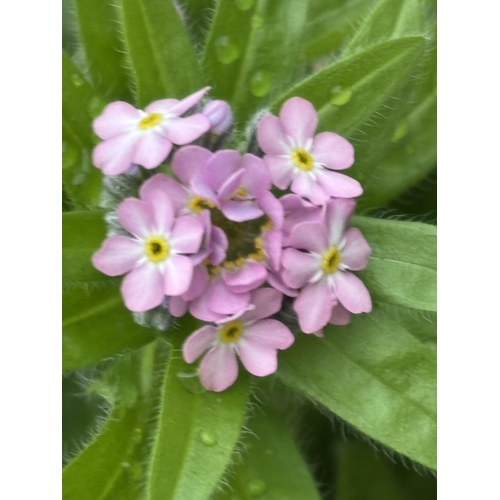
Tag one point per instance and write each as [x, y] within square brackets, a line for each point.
[211, 238]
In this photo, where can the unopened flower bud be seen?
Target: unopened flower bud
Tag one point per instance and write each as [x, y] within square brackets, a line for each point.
[220, 116]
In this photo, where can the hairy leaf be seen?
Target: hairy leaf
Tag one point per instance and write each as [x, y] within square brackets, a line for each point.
[197, 432]
[251, 51]
[81, 179]
[161, 54]
[271, 467]
[376, 375]
[402, 267]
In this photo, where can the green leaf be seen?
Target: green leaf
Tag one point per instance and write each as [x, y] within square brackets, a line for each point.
[81, 179]
[199, 14]
[196, 435]
[374, 373]
[330, 26]
[103, 48]
[161, 54]
[272, 467]
[348, 91]
[83, 233]
[389, 20]
[97, 325]
[99, 471]
[251, 51]
[402, 266]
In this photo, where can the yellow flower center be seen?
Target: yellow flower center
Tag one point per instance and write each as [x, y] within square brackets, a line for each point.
[157, 248]
[331, 260]
[233, 264]
[198, 203]
[241, 192]
[231, 331]
[150, 120]
[302, 159]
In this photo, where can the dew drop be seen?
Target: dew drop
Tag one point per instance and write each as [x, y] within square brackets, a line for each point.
[77, 80]
[227, 51]
[79, 179]
[219, 400]
[207, 438]
[137, 436]
[260, 83]
[257, 21]
[256, 487]
[96, 105]
[125, 465]
[340, 96]
[269, 452]
[190, 381]
[70, 155]
[244, 4]
[401, 130]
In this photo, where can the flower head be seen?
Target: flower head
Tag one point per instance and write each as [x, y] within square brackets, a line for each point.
[250, 336]
[154, 256]
[297, 157]
[220, 115]
[321, 267]
[145, 137]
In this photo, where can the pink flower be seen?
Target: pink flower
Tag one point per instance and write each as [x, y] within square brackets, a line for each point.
[296, 156]
[154, 256]
[249, 336]
[145, 137]
[220, 115]
[323, 270]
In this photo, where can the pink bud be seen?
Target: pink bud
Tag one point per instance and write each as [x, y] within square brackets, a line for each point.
[220, 116]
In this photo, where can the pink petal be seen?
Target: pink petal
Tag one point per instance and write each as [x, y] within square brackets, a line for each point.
[272, 137]
[276, 282]
[231, 185]
[200, 309]
[240, 211]
[356, 251]
[271, 333]
[177, 193]
[116, 119]
[338, 185]
[198, 342]
[199, 283]
[187, 235]
[142, 288]
[337, 215]
[267, 301]
[163, 211]
[189, 101]
[163, 106]
[305, 185]
[189, 161]
[114, 156]
[177, 306]
[177, 275]
[281, 170]
[219, 368]
[352, 292]
[224, 301]
[311, 236]
[299, 119]
[246, 278]
[117, 255]
[257, 179]
[333, 151]
[299, 267]
[340, 315]
[272, 208]
[185, 130]
[314, 306]
[273, 248]
[152, 148]
[259, 359]
[221, 167]
[137, 216]
[218, 246]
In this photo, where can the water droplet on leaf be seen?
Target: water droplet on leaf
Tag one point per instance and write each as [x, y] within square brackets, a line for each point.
[96, 105]
[340, 96]
[257, 21]
[260, 83]
[190, 381]
[77, 80]
[125, 465]
[135, 472]
[207, 438]
[70, 155]
[227, 51]
[256, 487]
[401, 130]
[137, 436]
[244, 4]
